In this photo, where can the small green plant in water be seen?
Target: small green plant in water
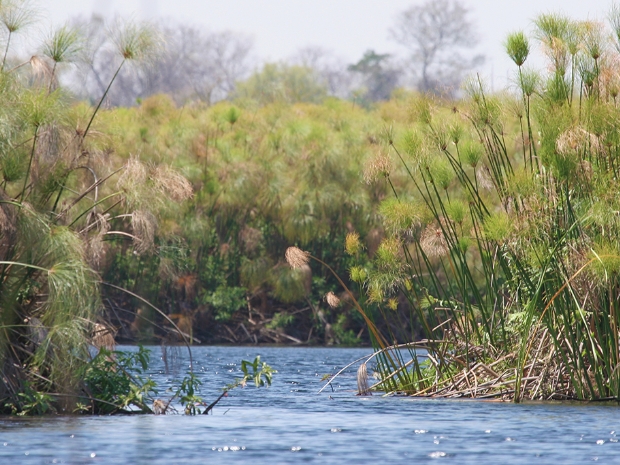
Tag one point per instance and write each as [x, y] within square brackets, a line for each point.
[32, 402]
[188, 393]
[261, 374]
[114, 380]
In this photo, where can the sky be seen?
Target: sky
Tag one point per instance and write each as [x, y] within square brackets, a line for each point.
[346, 27]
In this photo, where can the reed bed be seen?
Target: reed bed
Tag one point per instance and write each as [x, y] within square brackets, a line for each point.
[445, 374]
[502, 231]
[60, 196]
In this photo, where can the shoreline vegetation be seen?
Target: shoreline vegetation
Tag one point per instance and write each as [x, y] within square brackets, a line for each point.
[484, 228]
[61, 189]
[505, 239]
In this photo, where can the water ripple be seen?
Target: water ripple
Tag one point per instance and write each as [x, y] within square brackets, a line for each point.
[276, 425]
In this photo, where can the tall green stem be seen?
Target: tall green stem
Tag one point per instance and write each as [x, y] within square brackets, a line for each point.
[6, 50]
[105, 94]
[34, 145]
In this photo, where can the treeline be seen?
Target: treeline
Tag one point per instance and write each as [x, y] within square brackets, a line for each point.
[192, 64]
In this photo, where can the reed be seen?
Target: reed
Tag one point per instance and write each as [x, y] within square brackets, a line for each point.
[513, 280]
[57, 203]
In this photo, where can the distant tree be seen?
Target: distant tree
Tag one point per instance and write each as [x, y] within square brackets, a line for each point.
[378, 76]
[192, 65]
[436, 34]
[279, 82]
[330, 69]
[202, 65]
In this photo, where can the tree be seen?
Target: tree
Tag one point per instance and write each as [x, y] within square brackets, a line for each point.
[201, 65]
[282, 83]
[193, 65]
[436, 34]
[329, 68]
[378, 77]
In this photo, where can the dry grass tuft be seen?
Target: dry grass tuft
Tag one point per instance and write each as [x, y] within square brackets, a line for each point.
[172, 184]
[7, 218]
[144, 225]
[379, 165]
[483, 178]
[433, 242]
[96, 247]
[575, 139]
[296, 257]
[103, 337]
[41, 69]
[159, 407]
[362, 381]
[332, 300]
[134, 174]
[250, 238]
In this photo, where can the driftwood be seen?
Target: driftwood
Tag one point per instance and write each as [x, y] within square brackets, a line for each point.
[214, 403]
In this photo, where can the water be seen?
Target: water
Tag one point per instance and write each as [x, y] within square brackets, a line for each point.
[290, 423]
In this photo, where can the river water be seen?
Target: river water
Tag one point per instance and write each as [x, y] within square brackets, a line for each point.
[289, 423]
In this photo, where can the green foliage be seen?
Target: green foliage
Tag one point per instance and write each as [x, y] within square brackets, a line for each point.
[517, 47]
[38, 107]
[16, 14]
[280, 320]
[379, 79]
[115, 381]
[287, 174]
[31, 402]
[232, 115]
[60, 203]
[64, 45]
[518, 249]
[471, 153]
[261, 372]
[279, 83]
[135, 41]
[188, 394]
[358, 274]
[606, 261]
[255, 273]
[530, 82]
[399, 216]
[344, 336]
[497, 227]
[441, 173]
[225, 301]
[289, 285]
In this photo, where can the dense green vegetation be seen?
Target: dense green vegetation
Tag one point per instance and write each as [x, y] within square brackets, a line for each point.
[265, 177]
[63, 193]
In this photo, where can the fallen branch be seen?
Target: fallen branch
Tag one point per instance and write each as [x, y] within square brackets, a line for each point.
[214, 403]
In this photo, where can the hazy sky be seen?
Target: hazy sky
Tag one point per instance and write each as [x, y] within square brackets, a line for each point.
[347, 27]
